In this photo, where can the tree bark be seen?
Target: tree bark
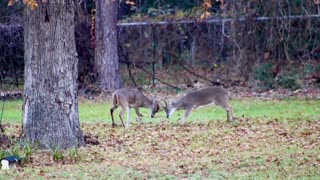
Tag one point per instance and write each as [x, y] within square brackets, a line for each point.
[106, 45]
[50, 110]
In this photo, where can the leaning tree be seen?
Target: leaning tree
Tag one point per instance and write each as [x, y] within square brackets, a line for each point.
[50, 109]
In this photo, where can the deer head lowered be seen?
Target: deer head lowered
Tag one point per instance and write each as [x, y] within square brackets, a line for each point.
[129, 98]
[202, 97]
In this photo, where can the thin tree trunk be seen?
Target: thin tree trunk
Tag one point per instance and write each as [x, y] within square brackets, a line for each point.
[193, 50]
[106, 48]
[50, 110]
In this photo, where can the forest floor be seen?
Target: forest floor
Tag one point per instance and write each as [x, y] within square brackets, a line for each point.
[274, 139]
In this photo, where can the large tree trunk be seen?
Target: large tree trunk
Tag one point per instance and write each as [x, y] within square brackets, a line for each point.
[50, 115]
[106, 44]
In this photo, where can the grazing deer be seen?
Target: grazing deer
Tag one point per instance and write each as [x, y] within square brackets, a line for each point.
[129, 98]
[202, 97]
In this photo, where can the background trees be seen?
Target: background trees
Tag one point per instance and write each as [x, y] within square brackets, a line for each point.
[106, 45]
[236, 42]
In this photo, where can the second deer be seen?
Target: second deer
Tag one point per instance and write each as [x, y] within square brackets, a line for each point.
[202, 97]
[129, 98]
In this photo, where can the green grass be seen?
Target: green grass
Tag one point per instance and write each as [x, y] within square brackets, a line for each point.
[12, 111]
[99, 111]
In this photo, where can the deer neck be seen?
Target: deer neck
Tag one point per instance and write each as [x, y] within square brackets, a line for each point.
[176, 105]
[147, 102]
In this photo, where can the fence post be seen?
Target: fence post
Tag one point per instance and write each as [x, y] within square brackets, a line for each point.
[154, 56]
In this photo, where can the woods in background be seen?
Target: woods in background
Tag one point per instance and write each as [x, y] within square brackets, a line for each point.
[264, 44]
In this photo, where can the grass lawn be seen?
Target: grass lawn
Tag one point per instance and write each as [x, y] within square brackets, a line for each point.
[99, 111]
[269, 140]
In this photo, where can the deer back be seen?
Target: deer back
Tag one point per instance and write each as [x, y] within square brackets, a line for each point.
[132, 97]
[204, 97]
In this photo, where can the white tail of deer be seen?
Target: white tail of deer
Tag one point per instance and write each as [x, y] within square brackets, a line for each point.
[202, 97]
[129, 98]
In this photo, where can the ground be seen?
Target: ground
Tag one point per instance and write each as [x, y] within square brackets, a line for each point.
[274, 139]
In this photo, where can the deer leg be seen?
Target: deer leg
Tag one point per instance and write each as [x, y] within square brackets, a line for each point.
[225, 105]
[232, 115]
[229, 110]
[187, 113]
[122, 121]
[111, 111]
[128, 117]
[228, 117]
[138, 115]
[121, 115]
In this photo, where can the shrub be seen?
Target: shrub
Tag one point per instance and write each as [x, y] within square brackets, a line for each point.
[74, 154]
[57, 155]
[289, 81]
[308, 69]
[4, 154]
[311, 71]
[263, 74]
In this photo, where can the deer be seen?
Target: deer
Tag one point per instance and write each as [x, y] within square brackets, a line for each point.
[128, 98]
[206, 96]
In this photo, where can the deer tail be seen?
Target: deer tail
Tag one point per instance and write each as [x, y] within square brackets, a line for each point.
[115, 99]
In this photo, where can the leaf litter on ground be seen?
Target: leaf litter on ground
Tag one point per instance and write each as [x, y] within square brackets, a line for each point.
[241, 149]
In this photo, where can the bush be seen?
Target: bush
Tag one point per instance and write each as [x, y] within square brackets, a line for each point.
[308, 69]
[289, 81]
[57, 154]
[263, 74]
[312, 72]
